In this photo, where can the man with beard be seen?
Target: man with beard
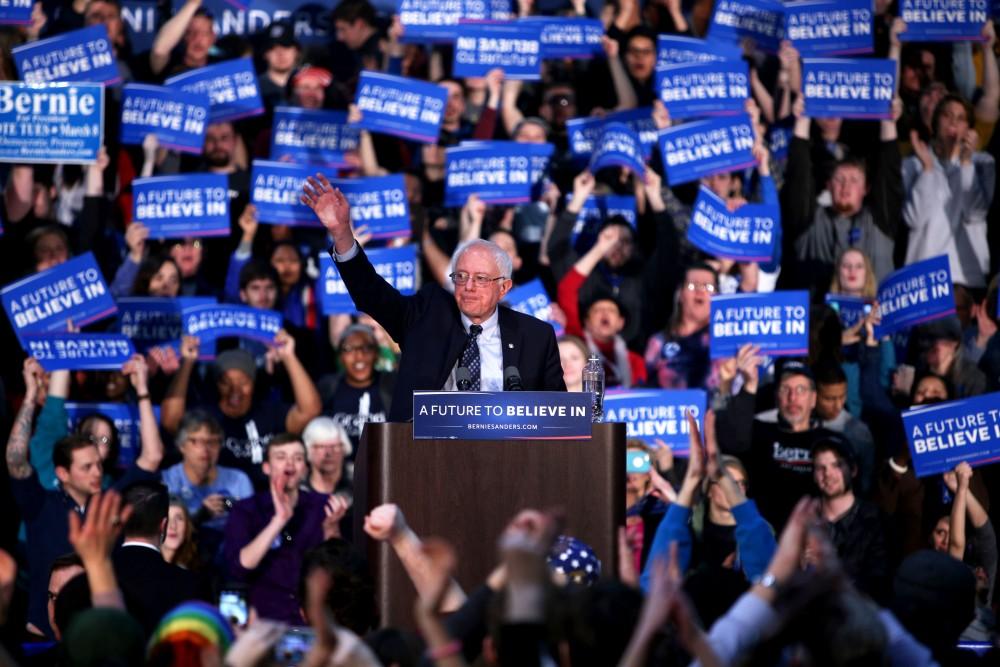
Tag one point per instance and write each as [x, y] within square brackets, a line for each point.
[776, 447]
[854, 525]
[268, 535]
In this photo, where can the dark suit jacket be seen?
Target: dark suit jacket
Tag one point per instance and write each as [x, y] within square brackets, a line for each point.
[151, 586]
[428, 328]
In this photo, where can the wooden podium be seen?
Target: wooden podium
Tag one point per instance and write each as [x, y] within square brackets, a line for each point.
[466, 491]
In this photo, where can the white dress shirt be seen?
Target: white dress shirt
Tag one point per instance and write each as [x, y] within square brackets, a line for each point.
[490, 355]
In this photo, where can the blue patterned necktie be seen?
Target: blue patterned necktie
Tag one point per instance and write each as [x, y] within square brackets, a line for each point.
[470, 355]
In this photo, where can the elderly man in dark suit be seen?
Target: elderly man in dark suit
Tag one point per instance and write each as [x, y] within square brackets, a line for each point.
[443, 335]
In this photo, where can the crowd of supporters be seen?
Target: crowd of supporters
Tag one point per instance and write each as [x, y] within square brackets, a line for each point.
[795, 530]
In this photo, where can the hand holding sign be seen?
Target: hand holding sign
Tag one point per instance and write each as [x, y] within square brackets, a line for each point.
[331, 207]
[138, 374]
[34, 378]
[190, 347]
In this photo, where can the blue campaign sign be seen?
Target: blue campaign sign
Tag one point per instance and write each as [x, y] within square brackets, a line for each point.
[701, 148]
[379, 203]
[679, 50]
[778, 138]
[499, 172]
[79, 351]
[584, 132]
[15, 12]
[656, 416]
[436, 20]
[311, 18]
[618, 146]
[156, 322]
[943, 20]
[211, 321]
[915, 294]
[141, 19]
[73, 291]
[851, 309]
[313, 136]
[177, 119]
[596, 210]
[514, 47]
[501, 415]
[704, 89]
[55, 122]
[830, 27]
[275, 188]
[848, 88]
[532, 299]
[429, 20]
[176, 207]
[398, 266]
[759, 20]
[943, 435]
[230, 85]
[126, 419]
[564, 37]
[400, 106]
[78, 55]
[744, 235]
[778, 322]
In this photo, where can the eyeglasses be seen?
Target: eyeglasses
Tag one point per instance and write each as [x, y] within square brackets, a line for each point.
[99, 439]
[700, 287]
[799, 390]
[461, 278]
[190, 244]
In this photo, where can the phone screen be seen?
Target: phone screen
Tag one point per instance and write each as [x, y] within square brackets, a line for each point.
[293, 646]
[233, 607]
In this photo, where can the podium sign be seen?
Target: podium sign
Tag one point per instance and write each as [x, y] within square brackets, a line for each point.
[501, 415]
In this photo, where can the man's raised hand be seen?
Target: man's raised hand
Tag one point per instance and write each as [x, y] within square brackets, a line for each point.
[331, 207]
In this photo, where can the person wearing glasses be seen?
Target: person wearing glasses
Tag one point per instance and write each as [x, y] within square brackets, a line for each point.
[207, 489]
[775, 446]
[440, 332]
[359, 394]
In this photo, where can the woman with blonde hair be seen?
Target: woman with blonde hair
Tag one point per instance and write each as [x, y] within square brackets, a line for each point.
[854, 275]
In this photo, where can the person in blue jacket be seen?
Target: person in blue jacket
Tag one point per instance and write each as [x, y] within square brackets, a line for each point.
[724, 528]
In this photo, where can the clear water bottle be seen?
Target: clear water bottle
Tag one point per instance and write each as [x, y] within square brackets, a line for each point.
[593, 382]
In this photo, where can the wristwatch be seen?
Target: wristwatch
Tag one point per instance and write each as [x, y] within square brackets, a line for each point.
[767, 580]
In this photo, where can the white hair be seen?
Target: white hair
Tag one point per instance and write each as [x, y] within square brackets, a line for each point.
[322, 429]
[504, 264]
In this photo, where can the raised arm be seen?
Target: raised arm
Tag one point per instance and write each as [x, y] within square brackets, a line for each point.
[619, 77]
[93, 538]
[170, 36]
[331, 207]
[17, 444]
[307, 402]
[956, 533]
[151, 452]
[988, 106]
[386, 523]
[175, 402]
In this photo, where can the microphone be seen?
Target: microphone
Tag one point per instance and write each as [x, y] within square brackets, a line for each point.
[463, 378]
[512, 379]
